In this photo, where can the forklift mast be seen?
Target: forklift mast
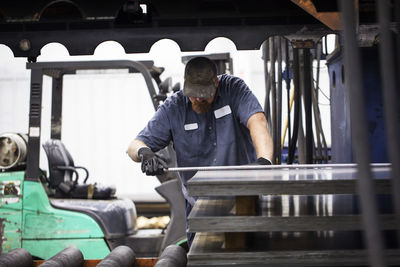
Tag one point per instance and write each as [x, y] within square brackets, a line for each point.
[57, 70]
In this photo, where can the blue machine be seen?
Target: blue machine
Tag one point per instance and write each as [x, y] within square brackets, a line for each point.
[340, 107]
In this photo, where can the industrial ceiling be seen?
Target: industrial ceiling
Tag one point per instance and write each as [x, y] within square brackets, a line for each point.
[81, 25]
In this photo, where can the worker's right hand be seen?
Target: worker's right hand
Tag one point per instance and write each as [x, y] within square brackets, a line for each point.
[151, 163]
[262, 161]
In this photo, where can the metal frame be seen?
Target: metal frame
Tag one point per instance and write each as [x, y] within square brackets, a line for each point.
[140, 40]
[56, 70]
[366, 188]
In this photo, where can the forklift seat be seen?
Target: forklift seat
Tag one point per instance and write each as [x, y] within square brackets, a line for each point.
[116, 217]
[62, 171]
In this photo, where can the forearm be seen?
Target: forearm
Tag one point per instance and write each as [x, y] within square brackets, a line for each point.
[133, 149]
[262, 140]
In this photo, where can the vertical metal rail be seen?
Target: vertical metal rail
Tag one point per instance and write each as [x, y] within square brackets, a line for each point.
[315, 99]
[267, 84]
[325, 146]
[287, 78]
[56, 107]
[307, 104]
[319, 52]
[301, 141]
[318, 127]
[360, 135]
[318, 123]
[273, 94]
[279, 103]
[35, 115]
[390, 100]
[397, 19]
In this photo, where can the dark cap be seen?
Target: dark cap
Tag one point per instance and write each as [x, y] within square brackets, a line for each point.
[200, 77]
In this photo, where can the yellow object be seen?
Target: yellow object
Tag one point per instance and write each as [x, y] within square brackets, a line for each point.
[287, 119]
[152, 223]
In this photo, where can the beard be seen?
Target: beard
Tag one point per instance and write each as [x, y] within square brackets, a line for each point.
[201, 107]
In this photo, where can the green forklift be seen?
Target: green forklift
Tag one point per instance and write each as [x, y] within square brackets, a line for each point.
[48, 212]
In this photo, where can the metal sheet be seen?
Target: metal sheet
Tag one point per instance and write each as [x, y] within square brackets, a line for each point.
[218, 215]
[208, 250]
[301, 180]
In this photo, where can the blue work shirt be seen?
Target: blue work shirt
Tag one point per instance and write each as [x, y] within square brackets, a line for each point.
[219, 137]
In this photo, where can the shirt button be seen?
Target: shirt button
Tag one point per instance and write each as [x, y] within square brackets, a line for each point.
[215, 160]
[214, 144]
[209, 128]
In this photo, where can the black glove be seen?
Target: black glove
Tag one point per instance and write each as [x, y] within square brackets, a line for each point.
[151, 163]
[262, 161]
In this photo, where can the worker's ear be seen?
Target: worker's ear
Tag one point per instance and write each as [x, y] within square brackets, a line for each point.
[216, 82]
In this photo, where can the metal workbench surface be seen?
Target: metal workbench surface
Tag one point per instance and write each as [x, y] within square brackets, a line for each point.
[284, 179]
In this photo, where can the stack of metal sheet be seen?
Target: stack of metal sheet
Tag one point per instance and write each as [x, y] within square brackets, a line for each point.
[300, 216]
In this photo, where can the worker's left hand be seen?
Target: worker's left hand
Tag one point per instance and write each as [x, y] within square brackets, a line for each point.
[151, 163]
[262, 161]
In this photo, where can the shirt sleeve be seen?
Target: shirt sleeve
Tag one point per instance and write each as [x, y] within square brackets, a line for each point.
[243, 101]
[157, 133]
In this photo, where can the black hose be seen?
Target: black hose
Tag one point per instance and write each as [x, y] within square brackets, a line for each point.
[272, 58]
[278, 147]
[296, 81]
[307, 104]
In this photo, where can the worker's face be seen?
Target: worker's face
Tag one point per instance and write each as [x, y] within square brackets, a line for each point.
[202, 105]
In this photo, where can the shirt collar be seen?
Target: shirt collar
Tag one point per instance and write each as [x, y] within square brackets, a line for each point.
[218, 92]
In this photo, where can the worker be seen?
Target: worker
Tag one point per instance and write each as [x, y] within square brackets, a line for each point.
[214, 121]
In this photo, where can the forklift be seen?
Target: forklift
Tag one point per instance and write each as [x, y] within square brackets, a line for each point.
[48, 214]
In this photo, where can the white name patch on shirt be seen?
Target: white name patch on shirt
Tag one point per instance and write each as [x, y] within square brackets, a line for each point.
[191, 126]
[225, 110]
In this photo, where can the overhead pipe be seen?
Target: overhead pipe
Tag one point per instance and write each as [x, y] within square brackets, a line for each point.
[359, 130]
